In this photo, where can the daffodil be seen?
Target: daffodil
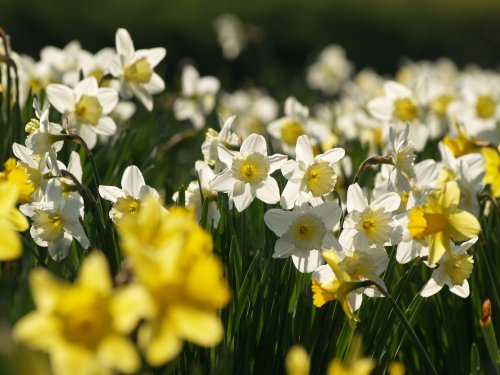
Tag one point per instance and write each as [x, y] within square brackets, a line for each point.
[11, 222]
[359, 366]
[439, 220]
[248, 173]
[56, 220]
[295, 123]
[454, 268]
[309, 177]
[87, 108]
[129, 198]
[198, 97]
[180, 284]
[492, 166]
[134, 69]
[75, 324]
[304, 233]
[330, 282]
[230, 35]
[368, 224]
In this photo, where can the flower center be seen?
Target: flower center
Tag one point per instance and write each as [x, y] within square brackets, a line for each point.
[49, 226]
[405, 110]
[458, 268]
[320, 178]
[125, 205]
[369, 224]
[440, 104]
[485, 106]
[253, 169]
[307, 232]
[290, 131]
[139, 71]
[88, 110]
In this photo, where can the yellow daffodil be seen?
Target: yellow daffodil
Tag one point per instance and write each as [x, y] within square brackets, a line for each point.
[439, 220]
[492, 166]
[18, 176]
[11, 221]
[180, 283]
[74, 323]
[297, 361]
[462, 145]
[339, 287]
[361, 366]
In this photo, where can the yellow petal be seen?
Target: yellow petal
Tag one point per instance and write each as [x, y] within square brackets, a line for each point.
[94, 273]
[8, 198]
[202, 327]
[128, 306]
[297, 361]
[10, 243]
[118, 353]
[75, 360]
[438, 244]
[18, 220]
[160, 341]
[332, 260]
[450, 195]
[320, 295]
[464, 225]
[45, 289]
[37, 330]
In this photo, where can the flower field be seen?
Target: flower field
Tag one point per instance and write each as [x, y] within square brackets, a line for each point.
[156, 227]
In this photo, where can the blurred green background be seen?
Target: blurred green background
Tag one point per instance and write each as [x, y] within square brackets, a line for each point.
[374, 33]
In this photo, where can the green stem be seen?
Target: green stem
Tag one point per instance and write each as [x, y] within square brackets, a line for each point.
[408, 328]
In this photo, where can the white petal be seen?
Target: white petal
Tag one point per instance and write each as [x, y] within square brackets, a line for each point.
[329, 212]
[124, 44]
[108, 98]
[76, 231]
[226, 156]
[105, 126]
[389, 201]
[88, 135]
[132, 181]
[254, 143]
[330, 242]
[208, 85]
[304, 151]
[461, 290]
[278, 220]
[434, 285]
[332, 155]
[290, 194]
[224, 181]
[153, 55]
[323, 273]
[75, 166]
[307, 262]
[143, 95]
[110, 193]
[155, 84]
[276, 161]
[268, 191]
[88, 87]
[381, 108]
[61, 97]
[396, 90]
[356, 201]
[244, 199]
[283, 249]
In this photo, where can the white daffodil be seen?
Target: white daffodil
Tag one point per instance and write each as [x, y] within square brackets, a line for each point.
[129, 198]
[195, 197]
[252, 108]
[454, 268]
[56, 220]
[87, 108]
[36, 166]
[330, 70]
[304, 233]
[134, 69]
[403, 156]
[63, 62]
[230, 35]
[370, 224]
[226, 137]
[248, 173]
[295, 123]
[198, 97]
[309, 178]
[399, 107]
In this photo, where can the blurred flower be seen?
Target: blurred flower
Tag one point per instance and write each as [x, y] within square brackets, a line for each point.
[330, 70]
[179, 281]
[198, 97]
[134, 69]
[309, 177]
[295, 123]
[439, 220]
[75, 324]
[128, 199]
[297, 361]
[304, 233]
[56, 220]
[231, 35]
[248, 174]
[492, 166]
[87, 108]
[11, 221]
[453, 269]
[360, 366]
